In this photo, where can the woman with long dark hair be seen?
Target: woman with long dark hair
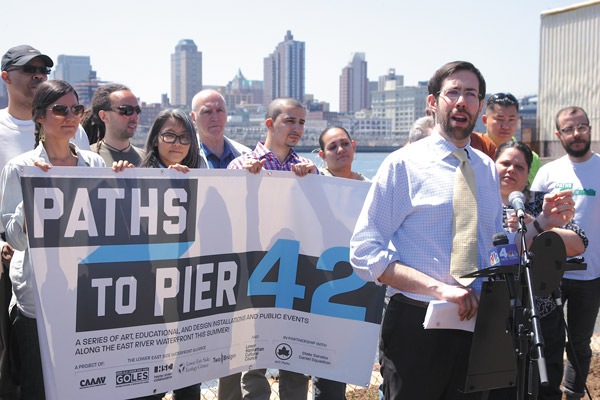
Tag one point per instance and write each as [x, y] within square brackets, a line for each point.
[56, 112]
[172, 143]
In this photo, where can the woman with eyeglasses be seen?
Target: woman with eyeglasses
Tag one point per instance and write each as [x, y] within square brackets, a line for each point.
[56, 112]
[513, 161]
[172, 143]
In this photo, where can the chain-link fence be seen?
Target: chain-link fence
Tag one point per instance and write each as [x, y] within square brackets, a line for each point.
[210, 392]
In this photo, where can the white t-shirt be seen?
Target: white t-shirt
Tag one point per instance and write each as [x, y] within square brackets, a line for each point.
[16, 137]
[584, 179]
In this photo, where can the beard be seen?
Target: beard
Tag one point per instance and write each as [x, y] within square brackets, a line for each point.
[457, 133]
[577, 153]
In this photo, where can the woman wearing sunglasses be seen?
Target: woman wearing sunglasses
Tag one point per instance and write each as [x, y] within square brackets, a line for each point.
[56, 112]
[172, 143]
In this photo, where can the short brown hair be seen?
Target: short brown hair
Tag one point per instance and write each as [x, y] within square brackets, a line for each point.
[435, 83]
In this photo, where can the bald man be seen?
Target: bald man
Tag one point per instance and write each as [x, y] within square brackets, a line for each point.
[210, 116]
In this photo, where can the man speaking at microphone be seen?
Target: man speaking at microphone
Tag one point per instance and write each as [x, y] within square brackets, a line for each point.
[429, 219]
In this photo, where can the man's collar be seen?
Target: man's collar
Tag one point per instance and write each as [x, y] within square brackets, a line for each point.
[207, 151]
[445, 147]
[262, 150]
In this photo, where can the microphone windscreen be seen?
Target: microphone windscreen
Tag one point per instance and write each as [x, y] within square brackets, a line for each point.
[499, 239]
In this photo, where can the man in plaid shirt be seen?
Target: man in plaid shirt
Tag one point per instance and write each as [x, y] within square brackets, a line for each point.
[285, 126]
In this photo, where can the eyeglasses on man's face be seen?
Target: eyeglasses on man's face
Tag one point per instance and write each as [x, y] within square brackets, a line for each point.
[503, 99]
[570, 130]
[453, 95]
[32, 70]
[127, 110]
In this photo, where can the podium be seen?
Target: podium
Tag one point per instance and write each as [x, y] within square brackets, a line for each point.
[495, 348]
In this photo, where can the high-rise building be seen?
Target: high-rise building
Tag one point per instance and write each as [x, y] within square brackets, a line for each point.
[373, 85]
[390, 76]
[86, 89]
[186, 72]
[77, 70]
[284, 71]
[402, 104]
[354, 85]
[73, 69]
[241, 90]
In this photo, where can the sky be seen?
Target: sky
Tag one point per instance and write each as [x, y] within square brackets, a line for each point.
[131, 42]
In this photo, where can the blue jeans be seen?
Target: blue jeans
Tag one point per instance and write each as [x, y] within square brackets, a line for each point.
[582, 301]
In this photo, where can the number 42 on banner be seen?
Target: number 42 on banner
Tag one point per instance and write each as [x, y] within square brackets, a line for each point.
[285, 289]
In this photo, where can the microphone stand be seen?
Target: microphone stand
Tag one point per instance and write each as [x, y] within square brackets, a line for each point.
[527, 331]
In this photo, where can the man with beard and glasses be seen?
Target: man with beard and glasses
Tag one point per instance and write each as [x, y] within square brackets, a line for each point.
[114, 119]
[578, 171]
[411, 236]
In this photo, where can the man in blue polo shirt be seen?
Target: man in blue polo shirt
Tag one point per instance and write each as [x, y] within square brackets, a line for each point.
[216, 151]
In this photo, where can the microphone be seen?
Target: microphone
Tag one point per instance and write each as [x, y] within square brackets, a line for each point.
[503, 253]
[517, 201]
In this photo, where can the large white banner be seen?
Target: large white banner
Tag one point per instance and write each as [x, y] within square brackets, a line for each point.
[151, 280]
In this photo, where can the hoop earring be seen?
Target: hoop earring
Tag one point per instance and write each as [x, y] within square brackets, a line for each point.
[42, 136]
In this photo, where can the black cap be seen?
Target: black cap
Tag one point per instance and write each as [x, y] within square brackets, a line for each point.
[21, 55]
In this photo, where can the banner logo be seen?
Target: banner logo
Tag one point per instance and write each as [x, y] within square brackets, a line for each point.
[132, 377]
[283, 351]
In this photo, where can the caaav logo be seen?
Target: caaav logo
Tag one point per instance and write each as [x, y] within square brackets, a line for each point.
[283, 351]
[92, 382]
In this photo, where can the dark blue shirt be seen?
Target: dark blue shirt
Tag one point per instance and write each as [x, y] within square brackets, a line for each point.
[216, 162]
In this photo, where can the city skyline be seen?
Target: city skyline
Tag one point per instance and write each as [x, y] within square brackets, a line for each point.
[130, 45]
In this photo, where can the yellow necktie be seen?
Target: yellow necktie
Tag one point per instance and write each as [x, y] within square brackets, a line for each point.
[464, 257]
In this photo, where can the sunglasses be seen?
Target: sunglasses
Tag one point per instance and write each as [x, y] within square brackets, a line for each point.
[31, 70]
[505, 99]
[172, 138]
[127, 110]
[62, 111]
